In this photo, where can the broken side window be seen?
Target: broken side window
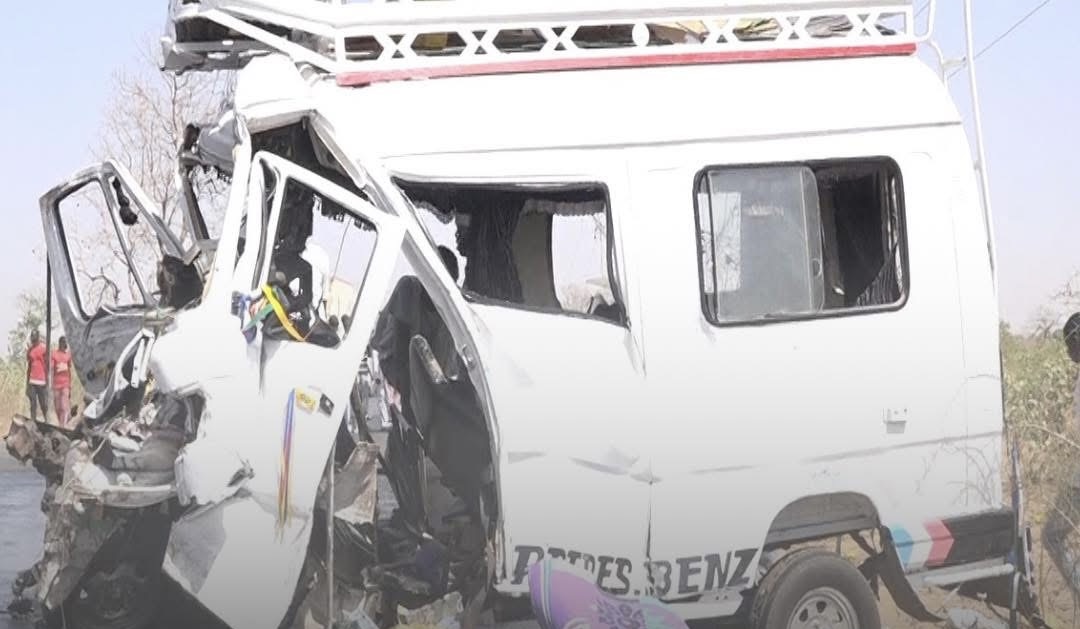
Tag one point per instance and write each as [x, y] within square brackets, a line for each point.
[207, 190]
[143, 242]
[103, 277]
[254, 219]
[790, 241]
[545, 248]
[318, 262]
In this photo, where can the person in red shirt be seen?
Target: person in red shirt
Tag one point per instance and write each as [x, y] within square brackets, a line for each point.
[36, 376]
[61, 383]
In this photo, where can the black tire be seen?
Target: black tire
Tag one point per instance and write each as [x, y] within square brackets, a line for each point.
[121, 599]
[123, 586]
[814, 581]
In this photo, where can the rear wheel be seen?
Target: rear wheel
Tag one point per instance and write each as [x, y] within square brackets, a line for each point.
[814, 589]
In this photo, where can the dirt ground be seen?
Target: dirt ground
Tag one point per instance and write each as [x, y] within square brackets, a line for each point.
[1059, 608]
[893, 618]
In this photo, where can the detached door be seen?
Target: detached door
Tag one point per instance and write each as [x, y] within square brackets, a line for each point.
[334, 254]
[104, 248]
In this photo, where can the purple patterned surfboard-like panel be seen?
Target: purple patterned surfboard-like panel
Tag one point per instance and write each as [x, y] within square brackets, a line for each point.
[561, 599]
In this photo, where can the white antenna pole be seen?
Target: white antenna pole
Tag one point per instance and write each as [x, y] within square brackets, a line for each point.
[980, 166]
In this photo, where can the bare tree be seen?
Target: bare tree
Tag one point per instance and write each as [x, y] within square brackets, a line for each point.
[1068, 296]
[31, 308]
[143, 127]
[1064, 301]
[145, 122]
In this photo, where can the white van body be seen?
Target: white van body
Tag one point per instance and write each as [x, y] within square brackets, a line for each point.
[665, 453]
[681, 409]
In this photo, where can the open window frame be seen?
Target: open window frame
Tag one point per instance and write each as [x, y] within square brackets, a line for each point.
[611, 262]
[900, 257]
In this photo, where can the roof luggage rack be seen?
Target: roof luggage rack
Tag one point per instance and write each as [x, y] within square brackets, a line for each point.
[382, 40]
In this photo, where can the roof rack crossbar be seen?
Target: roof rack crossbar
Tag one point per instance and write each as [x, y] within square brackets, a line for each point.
[381, 40]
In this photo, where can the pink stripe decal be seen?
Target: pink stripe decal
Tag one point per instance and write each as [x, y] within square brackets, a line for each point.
[942, 543]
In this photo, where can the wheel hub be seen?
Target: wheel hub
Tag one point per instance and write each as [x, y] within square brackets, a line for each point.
[823, 608]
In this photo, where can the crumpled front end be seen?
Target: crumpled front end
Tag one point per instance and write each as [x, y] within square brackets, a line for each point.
[159, 479]
[228, 446]
[110, 485]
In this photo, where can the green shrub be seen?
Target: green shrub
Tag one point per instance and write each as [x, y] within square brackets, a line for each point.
[1039, 380]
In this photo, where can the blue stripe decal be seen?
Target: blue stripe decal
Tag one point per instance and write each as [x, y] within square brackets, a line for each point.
[903, 544]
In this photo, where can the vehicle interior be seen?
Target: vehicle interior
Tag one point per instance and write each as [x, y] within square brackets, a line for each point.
[796, 239]
[545, 248]
[437, 455]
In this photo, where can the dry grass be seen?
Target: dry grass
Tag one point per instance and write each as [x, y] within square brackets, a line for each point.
[13, 398]
[1039, 383]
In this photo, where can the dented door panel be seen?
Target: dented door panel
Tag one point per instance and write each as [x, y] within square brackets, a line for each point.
[565, 399]
[283, 429]
[561, 427]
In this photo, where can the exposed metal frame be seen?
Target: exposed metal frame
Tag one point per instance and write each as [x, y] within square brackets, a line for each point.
[385, 41]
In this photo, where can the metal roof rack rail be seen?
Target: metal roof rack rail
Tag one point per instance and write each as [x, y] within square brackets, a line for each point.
[383, 40]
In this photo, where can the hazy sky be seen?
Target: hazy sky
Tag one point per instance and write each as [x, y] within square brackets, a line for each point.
[59, 59]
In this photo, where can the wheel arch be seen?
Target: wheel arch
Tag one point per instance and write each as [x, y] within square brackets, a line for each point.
[821, 516]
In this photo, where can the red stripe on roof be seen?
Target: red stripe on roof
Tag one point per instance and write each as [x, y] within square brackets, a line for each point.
[357, 79]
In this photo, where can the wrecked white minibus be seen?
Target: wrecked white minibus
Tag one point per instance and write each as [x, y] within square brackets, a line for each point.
[666, 293]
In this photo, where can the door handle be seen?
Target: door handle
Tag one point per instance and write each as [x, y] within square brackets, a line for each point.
[895, 421]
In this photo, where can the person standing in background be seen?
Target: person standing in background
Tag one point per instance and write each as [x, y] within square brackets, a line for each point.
[61, 382]
[36, 377]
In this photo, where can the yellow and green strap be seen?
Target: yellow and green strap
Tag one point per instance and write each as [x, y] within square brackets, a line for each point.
[282, 316]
